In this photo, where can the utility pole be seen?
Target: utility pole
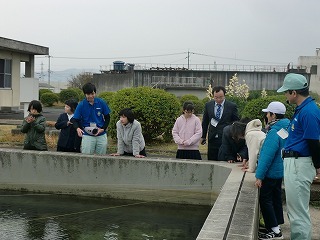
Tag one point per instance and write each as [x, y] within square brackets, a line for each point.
[49, 71]
[188, 58]
[41, 73]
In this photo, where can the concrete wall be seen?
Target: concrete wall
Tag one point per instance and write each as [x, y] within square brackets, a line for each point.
[179, 181]
[112, 82]
[181, 82]
[308, 61]
[233, 216]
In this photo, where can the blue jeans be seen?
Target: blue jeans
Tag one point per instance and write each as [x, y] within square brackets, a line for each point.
[298, 176]
[92, 144]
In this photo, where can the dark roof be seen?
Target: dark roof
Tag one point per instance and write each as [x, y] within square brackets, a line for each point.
[22, 47]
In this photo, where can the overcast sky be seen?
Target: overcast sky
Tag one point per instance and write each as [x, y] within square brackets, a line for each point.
[253, 32]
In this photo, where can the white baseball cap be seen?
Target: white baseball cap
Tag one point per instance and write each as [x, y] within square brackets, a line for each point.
[275, 107]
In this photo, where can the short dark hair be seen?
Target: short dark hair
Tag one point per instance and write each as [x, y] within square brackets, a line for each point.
[218, 89]
[188, 105]
[72, 103]
[127, 112]
[35, 104]
[303, 92]
[89, 88]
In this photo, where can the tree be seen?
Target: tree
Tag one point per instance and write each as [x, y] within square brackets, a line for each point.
[79, 80]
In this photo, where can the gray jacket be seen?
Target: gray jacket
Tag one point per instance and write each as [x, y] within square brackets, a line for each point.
[130, 138]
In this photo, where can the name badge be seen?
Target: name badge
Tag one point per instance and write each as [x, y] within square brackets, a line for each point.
[283, 133]
[214, 122]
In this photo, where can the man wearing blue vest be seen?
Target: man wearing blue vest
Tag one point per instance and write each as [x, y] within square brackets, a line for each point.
[301, 154]
[91, 119]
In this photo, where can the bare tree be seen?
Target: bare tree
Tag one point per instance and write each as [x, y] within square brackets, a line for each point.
[79, 80]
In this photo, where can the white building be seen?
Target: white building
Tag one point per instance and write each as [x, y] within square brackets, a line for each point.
[12, 54]
[312, 64]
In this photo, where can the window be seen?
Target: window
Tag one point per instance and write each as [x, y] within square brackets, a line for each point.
[5, 73]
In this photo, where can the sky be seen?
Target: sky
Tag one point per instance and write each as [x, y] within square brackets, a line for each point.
[91, 34]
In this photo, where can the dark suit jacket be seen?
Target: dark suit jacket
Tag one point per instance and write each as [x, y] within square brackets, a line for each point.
[229, 115]
[68, 137]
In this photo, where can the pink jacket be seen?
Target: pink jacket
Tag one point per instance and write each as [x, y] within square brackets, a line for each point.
[187, 132]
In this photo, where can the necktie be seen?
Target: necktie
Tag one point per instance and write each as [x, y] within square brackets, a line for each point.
[218, 113]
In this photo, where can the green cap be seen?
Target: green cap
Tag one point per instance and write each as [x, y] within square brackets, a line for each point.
[293, 81]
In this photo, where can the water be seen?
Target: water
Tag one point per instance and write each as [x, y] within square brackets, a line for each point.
[38, 216]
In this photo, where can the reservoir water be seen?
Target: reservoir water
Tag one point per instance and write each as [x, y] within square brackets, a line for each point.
[28, 216]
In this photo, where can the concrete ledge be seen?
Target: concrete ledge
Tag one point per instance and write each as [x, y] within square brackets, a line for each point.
[149, 179]
[234, 214]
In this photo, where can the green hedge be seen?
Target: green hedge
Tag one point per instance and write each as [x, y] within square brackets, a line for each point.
[155, 109]
[106, 96]
[49, 98]
[253, 108]
[67, 94]
[42, 91]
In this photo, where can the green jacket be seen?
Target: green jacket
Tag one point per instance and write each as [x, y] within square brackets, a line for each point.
[35, 134]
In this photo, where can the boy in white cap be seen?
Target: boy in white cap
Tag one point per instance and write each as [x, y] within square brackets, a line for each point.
[269, 171]
[301, 154]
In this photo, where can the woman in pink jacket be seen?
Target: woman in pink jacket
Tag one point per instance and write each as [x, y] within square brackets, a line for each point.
[187, 132]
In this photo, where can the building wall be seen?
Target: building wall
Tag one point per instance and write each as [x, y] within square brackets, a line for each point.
[112, 82]
[309, 61]
[10, 98]
[185, 82]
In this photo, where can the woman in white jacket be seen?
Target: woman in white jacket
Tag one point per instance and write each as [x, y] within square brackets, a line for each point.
[129, 134]
[187, 132]
[254, 137]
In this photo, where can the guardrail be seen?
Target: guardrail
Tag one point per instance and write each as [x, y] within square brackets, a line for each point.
[206, 67]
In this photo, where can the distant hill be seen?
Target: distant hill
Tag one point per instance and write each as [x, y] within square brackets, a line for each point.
[65, 75]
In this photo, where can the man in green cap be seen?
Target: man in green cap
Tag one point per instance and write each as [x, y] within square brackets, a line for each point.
[301, 154]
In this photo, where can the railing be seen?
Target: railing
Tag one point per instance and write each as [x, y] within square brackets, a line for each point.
[164, 82]
[205, 67]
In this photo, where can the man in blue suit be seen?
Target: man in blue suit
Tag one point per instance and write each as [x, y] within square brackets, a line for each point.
[218, 113]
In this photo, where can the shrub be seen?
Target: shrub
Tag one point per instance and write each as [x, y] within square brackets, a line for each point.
[67, 94]
[42, 91]
[253, 108]
[155, 109]
[254, 94]
[240, 102]
[205, 100]
[80, 93]
[48, 99]
[198, 104]
[106, 96]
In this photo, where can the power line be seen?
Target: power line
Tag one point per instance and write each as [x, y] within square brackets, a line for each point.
[102, 58]
[246, 60]
[160, 55]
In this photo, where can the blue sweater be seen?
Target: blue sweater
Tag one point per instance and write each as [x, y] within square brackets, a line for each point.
[270, 163]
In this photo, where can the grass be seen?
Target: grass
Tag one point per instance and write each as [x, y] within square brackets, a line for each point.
[157, 147]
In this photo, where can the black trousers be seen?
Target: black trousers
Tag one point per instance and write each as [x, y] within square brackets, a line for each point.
[213, 148]
[271, 202]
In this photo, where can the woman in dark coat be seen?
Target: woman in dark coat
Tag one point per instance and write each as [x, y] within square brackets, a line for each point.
[68, 141]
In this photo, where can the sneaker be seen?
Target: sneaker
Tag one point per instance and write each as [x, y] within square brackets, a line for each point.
[270, 235]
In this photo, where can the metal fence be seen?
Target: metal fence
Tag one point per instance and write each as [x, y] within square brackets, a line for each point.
[204, 67]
